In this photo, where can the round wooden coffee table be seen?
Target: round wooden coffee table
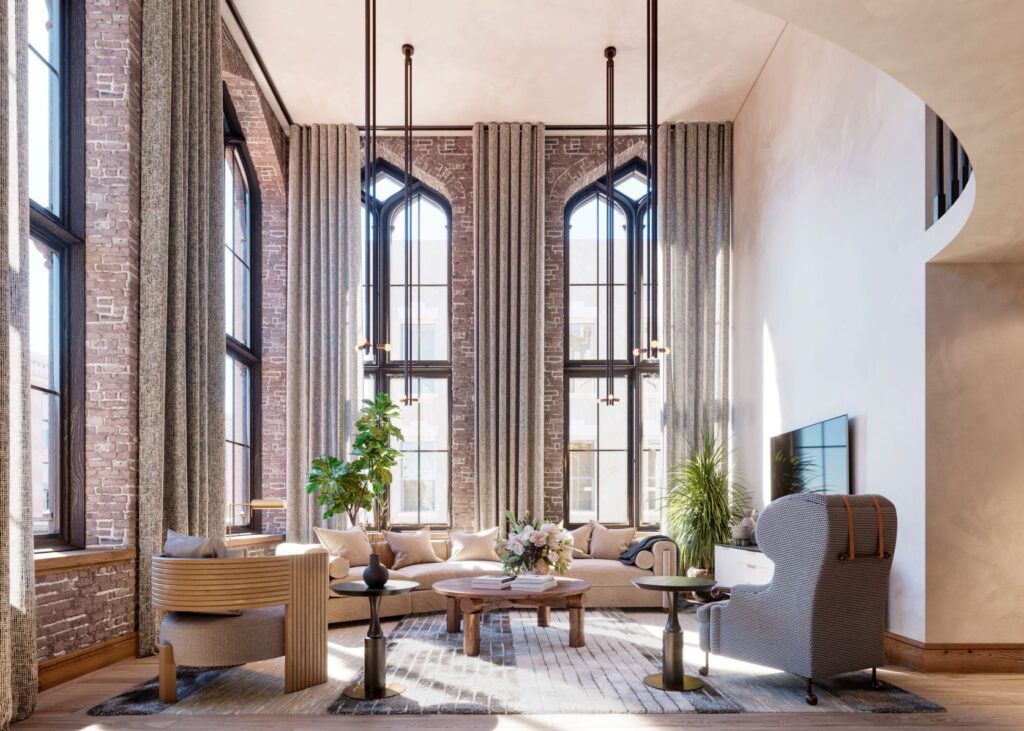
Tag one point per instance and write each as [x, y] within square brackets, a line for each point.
[464, 599]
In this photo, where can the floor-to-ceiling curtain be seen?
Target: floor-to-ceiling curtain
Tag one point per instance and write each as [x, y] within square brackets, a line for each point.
[18, 675]
[324, 327]
[695, 212]
[181, 314]
[508, 192]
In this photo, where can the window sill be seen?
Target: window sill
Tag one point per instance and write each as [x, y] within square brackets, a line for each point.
[60, 561]
[252, 539]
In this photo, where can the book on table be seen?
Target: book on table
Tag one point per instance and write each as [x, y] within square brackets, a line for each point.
[491, 582]
[534, 583]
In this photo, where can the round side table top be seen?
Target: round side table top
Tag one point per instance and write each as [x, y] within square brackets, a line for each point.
[673, 583]
[464, 588]
[359, 588]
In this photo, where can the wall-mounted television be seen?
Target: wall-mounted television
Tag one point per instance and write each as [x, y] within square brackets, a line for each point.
[814, 458]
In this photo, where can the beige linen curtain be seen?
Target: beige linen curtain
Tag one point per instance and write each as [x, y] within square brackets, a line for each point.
[181, 316]
[508, 190]
[695, 216]
[324, 282]
[18, 674]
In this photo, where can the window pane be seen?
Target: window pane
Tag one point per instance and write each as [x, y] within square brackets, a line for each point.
[45, 462]
[43, 134]
[633, 185]
[237, 421]
[613, 486]
[386, 186]
[651, 469]
[237, 250]
[419, 493]
[429, 309]
[43, 33]
[598, 452]
[588, 262]
[368, 291]
[44, 362]
[584, 320]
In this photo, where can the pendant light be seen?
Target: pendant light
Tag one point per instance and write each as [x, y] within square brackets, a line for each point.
[610, 399]
[408, 398]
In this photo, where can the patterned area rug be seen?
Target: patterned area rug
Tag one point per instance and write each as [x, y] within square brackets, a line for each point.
[521, 669]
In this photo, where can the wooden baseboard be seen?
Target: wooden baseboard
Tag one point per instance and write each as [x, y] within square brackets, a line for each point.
[938, 657]
[75, 664]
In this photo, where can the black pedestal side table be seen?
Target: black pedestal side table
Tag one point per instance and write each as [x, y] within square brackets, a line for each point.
[672, 676]
[374, 683]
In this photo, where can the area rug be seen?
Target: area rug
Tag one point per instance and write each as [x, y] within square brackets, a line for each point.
[521, 669]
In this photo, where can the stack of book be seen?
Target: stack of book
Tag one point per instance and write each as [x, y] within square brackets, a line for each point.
[491, 582]
[534, 583]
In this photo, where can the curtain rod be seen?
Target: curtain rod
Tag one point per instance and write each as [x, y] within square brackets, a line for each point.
[469, 127]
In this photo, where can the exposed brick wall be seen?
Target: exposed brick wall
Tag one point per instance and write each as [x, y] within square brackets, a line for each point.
[446, 165]
[571, 164]
[268, 148]
[81, 608]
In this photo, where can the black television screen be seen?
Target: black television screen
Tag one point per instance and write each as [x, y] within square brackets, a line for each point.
[814, 458]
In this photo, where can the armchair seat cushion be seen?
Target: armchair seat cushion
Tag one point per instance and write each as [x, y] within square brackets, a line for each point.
[215, 641]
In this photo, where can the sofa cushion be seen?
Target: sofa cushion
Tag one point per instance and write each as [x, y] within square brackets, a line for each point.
[610, 543]
[411, 548]
[180, 545]
[581, 541]
[351, 545]
[429, 573]
[605, 572]
[474, 546]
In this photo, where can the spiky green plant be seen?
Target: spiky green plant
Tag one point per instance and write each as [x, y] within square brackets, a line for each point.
[703, 502]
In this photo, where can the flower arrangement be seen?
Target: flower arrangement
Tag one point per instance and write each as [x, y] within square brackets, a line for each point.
[535, 547]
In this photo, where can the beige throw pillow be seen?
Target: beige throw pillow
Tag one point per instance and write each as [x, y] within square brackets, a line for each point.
[610, 542]
[351, 545]
[475, 546]
[581, 541]
[179, 545]
[411, 548]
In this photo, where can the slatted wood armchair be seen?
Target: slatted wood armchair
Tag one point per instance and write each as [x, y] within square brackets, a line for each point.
[283, 605]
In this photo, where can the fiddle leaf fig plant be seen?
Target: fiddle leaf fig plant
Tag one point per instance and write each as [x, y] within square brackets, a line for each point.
[362, 482]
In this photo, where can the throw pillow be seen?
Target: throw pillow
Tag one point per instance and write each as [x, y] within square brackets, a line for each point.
[610, 542]
[475, 546]
[581, 541]
[411, 548]
[180, 545]
[352, 544]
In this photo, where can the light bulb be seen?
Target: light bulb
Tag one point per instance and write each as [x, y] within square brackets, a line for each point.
[654, 343]
[666, 350]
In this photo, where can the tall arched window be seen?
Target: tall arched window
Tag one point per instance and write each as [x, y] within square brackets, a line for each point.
[420, 492]
[613, 453]
[242, 393]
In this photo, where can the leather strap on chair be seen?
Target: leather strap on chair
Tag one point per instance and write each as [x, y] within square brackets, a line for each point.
[850, 555]
[881, 529]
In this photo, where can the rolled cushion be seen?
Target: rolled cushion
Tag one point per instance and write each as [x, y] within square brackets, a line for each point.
[339, 567]
[208, 641]
[581, 541]
[351, 544]
[475, 546]
[610, 542]
[645, 560]
[180, 545]
[411, 548]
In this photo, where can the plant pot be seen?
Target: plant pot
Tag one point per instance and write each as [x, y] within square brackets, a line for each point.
[375, 574]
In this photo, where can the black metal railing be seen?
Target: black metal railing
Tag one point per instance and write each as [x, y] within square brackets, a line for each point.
[949, 166]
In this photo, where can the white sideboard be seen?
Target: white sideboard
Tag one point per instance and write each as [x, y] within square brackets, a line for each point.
[741, 565]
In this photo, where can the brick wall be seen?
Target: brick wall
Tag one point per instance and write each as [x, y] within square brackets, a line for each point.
[268, 148]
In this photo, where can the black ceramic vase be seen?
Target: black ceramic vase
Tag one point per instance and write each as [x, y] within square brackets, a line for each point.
[376, 574]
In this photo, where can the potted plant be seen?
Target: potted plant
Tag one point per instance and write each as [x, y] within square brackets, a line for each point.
[361, 483]
[703, 501]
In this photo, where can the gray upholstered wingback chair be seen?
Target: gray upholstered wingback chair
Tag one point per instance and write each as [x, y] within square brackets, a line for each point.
[824, 611]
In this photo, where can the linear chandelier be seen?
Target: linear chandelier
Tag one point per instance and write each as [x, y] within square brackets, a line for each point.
[609, 399]
[408, 398]
[369, 167]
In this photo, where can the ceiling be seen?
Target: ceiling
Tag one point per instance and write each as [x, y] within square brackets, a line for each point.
[510, 60]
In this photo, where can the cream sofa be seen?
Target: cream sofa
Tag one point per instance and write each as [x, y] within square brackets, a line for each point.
[610, 579]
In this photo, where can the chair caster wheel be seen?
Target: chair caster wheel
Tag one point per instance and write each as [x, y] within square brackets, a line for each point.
[703, 671]
[812, 700]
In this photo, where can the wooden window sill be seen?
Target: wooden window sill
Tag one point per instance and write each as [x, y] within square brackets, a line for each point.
[53, 562]
[252, 539]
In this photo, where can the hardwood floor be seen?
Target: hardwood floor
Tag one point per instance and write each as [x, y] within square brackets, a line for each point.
[972, 702]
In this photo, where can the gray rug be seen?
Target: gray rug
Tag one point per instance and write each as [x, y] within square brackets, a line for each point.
[521, 669]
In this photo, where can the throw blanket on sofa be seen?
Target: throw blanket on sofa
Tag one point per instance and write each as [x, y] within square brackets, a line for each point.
[646, 544]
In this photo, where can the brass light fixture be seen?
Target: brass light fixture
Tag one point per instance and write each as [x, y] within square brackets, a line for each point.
[408, 398]
[610, 399]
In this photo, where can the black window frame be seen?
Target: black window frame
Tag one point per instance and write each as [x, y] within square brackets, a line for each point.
[633, 367]
[64, 231]
[383, 367]
[250, 356]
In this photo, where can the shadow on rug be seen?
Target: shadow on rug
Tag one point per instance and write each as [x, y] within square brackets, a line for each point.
[144, 700]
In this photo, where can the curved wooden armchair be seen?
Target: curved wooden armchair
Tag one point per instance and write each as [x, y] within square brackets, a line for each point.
[283, 606]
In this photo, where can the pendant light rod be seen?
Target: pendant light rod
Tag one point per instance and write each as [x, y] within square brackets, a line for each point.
[609, 53]
[652, 166]
[369, 153]
[407, 51]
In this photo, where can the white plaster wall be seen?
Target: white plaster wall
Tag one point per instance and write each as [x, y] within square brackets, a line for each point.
[829, 280]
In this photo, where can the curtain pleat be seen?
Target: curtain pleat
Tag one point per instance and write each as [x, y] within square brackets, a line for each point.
[181, 315]
[18, 670]
[695, 194]
[324, 369]
[508, 161]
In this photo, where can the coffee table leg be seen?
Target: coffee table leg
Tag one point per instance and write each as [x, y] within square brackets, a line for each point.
[543, 616]
[471, 630]
[454, 615]
[671, 676]
[577, 637]
[375, 662]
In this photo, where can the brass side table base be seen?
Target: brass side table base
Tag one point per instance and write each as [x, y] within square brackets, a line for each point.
[358, 691]
[689, 683]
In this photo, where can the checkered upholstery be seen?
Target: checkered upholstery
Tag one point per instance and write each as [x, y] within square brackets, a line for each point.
[820, 615]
